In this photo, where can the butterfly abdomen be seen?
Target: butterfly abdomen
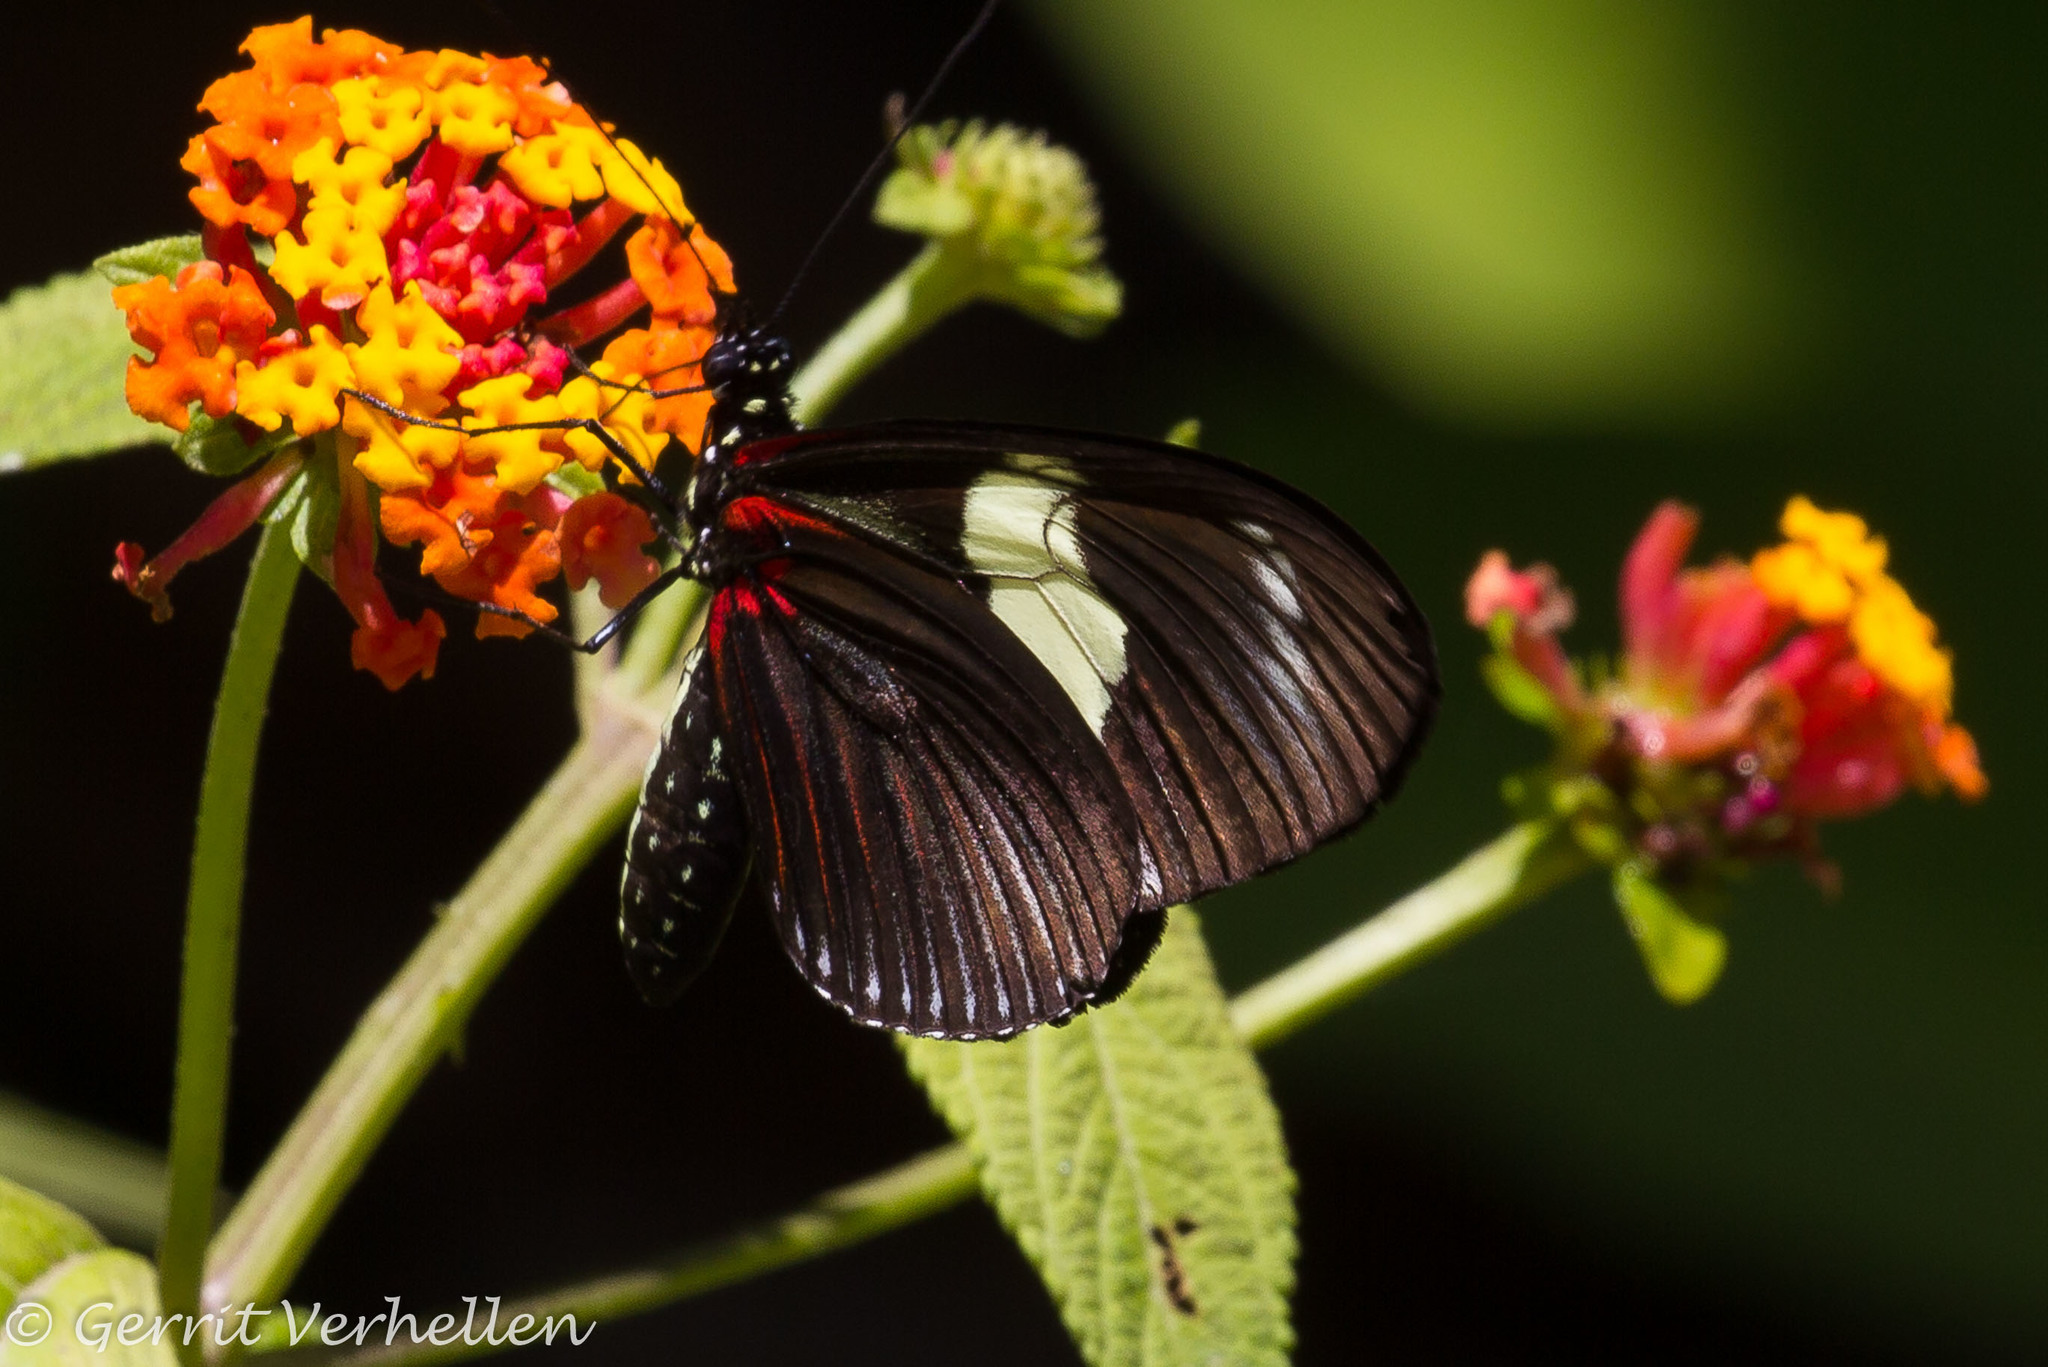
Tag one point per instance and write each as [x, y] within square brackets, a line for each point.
[688, 852]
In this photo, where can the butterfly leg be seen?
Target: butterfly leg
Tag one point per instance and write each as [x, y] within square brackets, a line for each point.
[664, 516]
[598, 639]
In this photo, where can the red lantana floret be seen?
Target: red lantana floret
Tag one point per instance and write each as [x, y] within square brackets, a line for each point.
[422, 209]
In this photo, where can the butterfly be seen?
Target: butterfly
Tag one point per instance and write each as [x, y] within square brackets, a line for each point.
[975, 704]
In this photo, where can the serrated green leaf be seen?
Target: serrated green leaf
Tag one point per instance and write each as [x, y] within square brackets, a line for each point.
[88, 1303]
[310, 506]
[1136, 1157]
[35, 1235]
[1684, 955]
[215, 446]
[164, 256]
[64, 353]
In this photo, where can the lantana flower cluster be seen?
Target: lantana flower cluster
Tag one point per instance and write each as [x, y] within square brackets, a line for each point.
[1751, 702]
[369, 319]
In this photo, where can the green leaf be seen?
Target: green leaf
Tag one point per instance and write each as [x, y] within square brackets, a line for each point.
[575, 481]
[64, 353]
[1187, 432]
[165, 256]
[1519, 692]
[35, 1235]
[215, 446]
[311, 505]
[97, 1295]
[1684, 955]
[1137, 1158]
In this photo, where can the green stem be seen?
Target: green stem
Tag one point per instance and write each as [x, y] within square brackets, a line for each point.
[1516, 867]
[908, 1192]
[213, 918]
[420, 1014]
[1521, 864]
[934, 284]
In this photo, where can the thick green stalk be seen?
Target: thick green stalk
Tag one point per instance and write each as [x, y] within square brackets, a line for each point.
[921, 1186]
[419, 1016]
[213, 918]
[934, 284]
[1516, 867]
[1523, 863]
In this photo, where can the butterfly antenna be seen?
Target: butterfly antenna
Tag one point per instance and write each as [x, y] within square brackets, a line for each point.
[883, 157]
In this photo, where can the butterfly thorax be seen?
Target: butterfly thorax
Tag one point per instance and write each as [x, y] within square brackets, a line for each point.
[747, 371]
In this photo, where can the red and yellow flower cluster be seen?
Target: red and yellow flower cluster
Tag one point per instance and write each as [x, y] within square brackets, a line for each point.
[395, 225]
[1751, 702]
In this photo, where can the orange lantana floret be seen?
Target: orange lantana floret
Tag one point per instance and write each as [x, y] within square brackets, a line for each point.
[678, 276]
[601, 538]
[200, 329]
[285, 55]
[537, 96]
[480, 542]
[668, 359]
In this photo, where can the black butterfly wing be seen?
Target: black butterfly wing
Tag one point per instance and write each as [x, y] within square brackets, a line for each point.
[944, 849]
[1256, 675]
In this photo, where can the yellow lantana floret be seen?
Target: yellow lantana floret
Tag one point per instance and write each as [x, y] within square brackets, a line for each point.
[640, 183]
[1896, 640]
[625, 411]
[523, 458]
[409, 354]
[558, 168]
[475, 120]
[1832, 571]
[1795, 575]
[1843, 540]
[300, 386]
[387, 116]
[337, 259]
[353, 184]
[397, 455]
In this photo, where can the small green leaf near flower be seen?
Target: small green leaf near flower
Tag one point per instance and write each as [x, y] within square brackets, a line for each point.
[1137, 1157]
[1683, 954]
[146, 260]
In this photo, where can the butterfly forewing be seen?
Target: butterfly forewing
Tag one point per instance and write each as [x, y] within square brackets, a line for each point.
[999, 690]
[943, 850]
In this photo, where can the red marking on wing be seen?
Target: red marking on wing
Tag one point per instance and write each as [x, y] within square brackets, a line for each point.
[761, 450]
[758, 516]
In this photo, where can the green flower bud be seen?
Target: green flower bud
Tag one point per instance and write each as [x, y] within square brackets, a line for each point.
[1015, 210]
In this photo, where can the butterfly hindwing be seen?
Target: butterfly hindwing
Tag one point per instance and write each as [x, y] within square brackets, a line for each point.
[944, 849]
[1256, 675]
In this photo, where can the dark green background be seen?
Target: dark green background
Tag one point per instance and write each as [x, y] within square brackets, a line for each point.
[1783, 248]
